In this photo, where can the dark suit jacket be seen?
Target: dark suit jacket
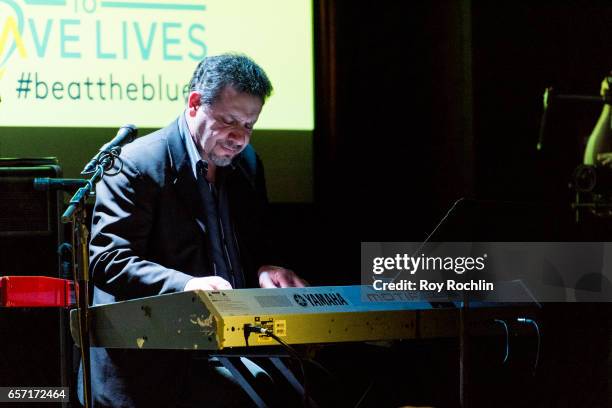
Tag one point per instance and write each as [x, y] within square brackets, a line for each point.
[146, 241]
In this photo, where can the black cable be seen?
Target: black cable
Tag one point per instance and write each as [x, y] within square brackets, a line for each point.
[537, 327]
[364, 395]
[507, 338]
[248, 329]
[247, 333]
[111, 157]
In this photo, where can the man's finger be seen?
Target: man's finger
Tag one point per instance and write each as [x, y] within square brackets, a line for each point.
[299, 282]
[265, 281]
[283, 280]
[220, 283]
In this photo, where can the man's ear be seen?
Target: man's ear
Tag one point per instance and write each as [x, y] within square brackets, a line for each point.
[194, 101]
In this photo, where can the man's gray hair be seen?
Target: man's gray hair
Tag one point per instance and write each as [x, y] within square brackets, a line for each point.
[214, 73]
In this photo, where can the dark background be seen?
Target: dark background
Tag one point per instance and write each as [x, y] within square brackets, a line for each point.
[422, 103]
[419, 104]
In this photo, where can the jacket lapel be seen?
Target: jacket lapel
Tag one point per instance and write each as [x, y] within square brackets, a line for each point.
[183, 179]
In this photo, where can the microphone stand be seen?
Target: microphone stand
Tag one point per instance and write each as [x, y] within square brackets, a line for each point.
[77, 215]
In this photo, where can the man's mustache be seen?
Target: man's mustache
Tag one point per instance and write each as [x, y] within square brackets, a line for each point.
[231, 145]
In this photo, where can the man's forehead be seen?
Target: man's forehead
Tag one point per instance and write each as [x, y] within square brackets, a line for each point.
[238, 103]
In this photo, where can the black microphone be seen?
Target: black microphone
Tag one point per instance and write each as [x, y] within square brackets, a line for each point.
[125, 135]
[46, 184]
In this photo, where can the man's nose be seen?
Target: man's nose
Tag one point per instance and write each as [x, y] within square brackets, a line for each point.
[238, 136]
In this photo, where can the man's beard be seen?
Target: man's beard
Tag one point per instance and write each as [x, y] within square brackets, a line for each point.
[222, 161]
[219, 161]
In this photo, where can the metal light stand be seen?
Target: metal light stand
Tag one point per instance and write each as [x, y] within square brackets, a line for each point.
[550, 94]
[579, 203]
[77, 215]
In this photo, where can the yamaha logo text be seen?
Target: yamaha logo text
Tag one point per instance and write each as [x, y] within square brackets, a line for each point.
[320, 299]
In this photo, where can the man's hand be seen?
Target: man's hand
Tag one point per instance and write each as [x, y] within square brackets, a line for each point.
[277, 277]
[605, 159]
[207, 283]
[605, 85]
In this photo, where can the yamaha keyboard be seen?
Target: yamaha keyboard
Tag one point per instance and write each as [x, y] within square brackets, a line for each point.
[215, 320]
